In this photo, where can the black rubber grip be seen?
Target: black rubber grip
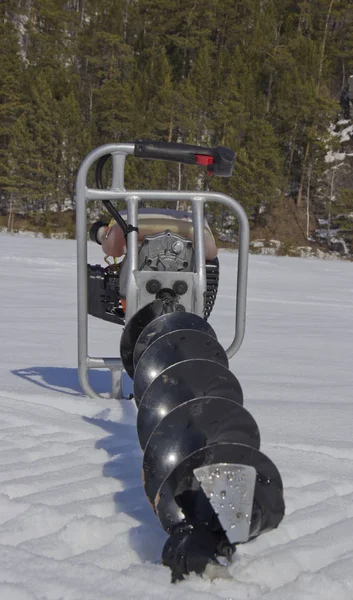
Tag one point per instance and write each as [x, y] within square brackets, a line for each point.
[94, 230]
[219, 161]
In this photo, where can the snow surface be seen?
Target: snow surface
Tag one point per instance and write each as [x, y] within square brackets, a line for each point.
[74, 520]
[332, 156]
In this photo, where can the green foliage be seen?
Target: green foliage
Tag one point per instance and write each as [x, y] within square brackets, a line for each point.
[10, 94]
[71, 229]
[34, 145]
[261, 77]
[344, 206]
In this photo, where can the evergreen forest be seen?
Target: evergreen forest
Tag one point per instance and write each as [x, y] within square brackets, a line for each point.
[268, 78]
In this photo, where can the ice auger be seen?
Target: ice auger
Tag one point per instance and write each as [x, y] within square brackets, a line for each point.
[203, 472]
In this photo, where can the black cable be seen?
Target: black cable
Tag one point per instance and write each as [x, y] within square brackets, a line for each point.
[99, 169]
[108, 205]
[117, 216]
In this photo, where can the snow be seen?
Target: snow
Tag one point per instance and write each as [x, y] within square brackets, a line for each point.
[74, 520]
[332, 156]
[344, 134]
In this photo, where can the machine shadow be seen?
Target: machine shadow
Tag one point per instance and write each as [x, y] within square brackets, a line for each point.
[147, 538]
[122, 446]
[64, 379]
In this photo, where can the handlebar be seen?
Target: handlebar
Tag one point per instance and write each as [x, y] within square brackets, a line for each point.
[219, 160]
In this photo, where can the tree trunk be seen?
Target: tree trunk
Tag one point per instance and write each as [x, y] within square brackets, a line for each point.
[308, 205]
[302, 12]
[170, 134]
[10, 220]
[323, 46]
[301, 185]
[321, 64]
[269, 92]
[291, 156]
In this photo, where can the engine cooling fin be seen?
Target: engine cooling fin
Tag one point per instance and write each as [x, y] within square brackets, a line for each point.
[203, 472]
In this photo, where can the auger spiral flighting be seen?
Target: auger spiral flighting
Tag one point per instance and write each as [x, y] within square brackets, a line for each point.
[203, 473]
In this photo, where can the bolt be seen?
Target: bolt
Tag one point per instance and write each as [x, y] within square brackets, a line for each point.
[153, 286]
[180, 287]
[177, 247]
[179, 308]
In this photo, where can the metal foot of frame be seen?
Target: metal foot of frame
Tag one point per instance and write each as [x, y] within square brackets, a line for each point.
[126, 386]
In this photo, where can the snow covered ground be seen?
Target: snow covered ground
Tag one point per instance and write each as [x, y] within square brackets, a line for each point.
[74, 520]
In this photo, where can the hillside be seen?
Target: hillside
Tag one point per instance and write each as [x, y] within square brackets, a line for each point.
[270, 79]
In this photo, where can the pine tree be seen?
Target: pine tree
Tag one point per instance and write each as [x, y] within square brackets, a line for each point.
[35, 147]
[74, 144]
[10, 99]
[261, 77]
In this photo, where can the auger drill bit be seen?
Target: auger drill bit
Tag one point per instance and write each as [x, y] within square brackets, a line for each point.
[203, 472]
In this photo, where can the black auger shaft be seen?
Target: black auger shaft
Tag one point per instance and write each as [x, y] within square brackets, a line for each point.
[204, 475]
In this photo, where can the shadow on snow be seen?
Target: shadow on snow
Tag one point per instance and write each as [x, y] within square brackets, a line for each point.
[147, 537]
[125, 456]
[64, 379]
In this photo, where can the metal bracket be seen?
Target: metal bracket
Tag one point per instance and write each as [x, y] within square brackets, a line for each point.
[167, 279]
[132, 199]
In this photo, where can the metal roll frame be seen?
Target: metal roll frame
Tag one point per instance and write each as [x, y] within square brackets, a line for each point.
[116, 192]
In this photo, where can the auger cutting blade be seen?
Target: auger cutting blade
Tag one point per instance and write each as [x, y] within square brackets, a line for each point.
[132, 331]
[172, 348]
[181, 497]
[230, 491]
[190, 426]
[167, 323]
[181, 382]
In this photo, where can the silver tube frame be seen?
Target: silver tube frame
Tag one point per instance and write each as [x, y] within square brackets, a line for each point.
[133, 198]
